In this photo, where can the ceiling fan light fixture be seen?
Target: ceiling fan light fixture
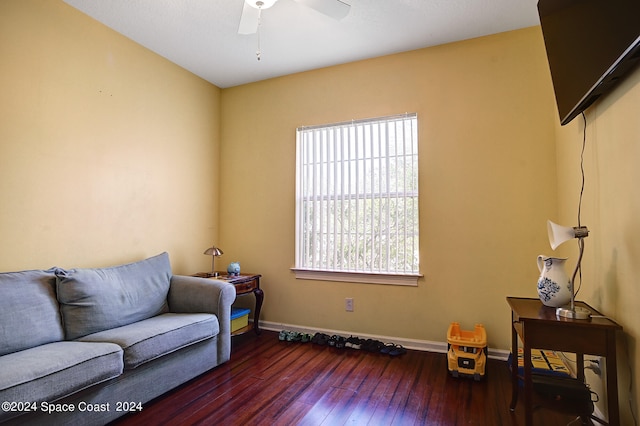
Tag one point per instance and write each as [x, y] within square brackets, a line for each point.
[261, 4]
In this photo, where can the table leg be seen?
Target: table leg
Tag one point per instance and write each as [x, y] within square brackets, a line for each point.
[580, 366]
[259, 294]
[580, 376]
[528, 386]
[514, 366]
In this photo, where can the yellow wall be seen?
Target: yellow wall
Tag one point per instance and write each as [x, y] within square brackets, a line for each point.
[611, 211]
[487, 183]
[108, 153]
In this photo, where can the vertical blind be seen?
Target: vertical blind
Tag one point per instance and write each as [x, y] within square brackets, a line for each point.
[357, 196]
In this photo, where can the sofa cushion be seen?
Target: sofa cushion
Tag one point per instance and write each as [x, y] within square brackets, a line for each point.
[54, 370]
[149, 339]
[29, 311]
[97, 299]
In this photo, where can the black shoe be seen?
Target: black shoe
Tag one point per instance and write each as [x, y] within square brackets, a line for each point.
[372, 345]
[354, 343]
[333, 340]
[320, 339]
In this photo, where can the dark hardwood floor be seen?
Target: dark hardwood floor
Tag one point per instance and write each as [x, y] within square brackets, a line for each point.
[269, 382]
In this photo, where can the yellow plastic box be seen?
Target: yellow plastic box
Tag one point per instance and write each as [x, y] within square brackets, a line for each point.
[239, 318]
[467, 351]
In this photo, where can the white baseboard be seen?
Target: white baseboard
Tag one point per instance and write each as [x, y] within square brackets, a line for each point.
[415, 344]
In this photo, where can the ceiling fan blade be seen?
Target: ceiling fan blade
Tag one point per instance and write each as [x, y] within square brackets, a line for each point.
[248, 20]
[335, 9]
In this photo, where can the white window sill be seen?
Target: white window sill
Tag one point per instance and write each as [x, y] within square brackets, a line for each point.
[358, 277]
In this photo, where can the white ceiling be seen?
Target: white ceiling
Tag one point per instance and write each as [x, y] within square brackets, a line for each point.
[202, 35]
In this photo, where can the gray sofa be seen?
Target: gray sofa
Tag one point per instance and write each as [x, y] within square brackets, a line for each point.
[85, 346]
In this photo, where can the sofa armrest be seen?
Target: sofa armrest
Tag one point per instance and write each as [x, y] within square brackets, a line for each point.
[195, 294]
[204, 295]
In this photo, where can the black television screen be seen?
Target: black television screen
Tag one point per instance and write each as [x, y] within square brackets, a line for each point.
[590, 45]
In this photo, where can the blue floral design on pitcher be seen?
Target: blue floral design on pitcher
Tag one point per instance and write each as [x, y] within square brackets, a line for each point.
[547, 288]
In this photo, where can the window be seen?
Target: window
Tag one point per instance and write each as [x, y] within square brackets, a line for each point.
[357, 201]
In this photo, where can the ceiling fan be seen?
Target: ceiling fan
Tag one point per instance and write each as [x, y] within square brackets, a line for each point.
[250, 19]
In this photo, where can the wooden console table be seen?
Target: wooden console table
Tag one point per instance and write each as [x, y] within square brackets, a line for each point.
[538, 327]
[244, 284]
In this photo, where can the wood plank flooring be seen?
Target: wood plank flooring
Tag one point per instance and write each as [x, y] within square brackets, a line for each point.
[269, 382]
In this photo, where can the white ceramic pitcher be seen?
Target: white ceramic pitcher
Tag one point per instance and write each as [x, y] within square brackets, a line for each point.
[554, 287]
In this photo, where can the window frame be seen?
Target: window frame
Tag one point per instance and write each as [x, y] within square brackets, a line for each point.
[405, 278]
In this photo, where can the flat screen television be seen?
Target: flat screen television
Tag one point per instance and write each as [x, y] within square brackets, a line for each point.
[590, 45]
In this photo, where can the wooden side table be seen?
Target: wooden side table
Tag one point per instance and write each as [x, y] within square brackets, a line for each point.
[538, 327]
[245, 284]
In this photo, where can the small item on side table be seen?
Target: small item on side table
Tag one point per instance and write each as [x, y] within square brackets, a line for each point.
[554, 287]
[233, 269]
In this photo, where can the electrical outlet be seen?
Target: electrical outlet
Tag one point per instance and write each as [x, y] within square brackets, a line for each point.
[348, 304]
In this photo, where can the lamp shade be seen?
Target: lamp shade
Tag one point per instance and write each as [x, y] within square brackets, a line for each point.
[558, 234]
[213, 251]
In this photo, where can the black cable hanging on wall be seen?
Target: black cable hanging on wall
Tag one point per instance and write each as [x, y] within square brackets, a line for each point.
[580, 241]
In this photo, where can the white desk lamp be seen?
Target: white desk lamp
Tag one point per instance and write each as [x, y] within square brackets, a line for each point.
[557, 235]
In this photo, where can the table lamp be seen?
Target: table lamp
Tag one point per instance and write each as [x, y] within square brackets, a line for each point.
[213, 251]
[557, 235]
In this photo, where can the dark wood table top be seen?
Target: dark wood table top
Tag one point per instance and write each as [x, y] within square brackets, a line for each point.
[533, 309]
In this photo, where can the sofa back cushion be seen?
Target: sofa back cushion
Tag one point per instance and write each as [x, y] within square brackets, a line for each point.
[29, 311]
[99, 299]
